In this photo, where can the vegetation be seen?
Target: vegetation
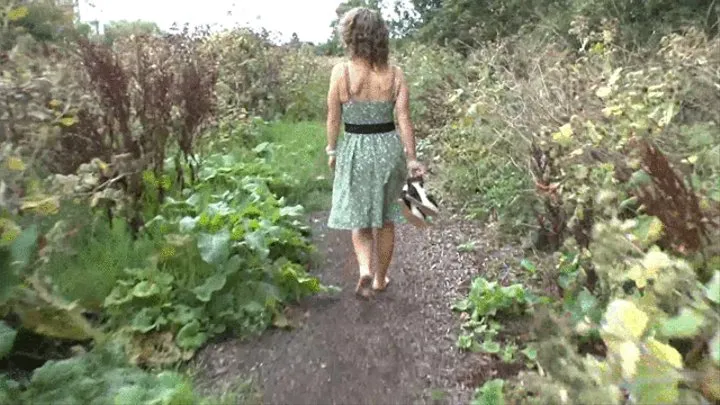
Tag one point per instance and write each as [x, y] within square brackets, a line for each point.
[141, 210]
[606, 155]
[149, 203]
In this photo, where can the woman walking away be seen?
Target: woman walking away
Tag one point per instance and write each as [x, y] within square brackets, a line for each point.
[373, 161]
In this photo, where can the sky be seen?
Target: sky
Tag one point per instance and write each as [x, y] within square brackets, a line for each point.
[280, 16]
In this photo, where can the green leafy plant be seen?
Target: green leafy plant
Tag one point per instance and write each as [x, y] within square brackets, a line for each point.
[491, 393]
[232, 254]
[488, 298]
[486, 304]
[100, 377]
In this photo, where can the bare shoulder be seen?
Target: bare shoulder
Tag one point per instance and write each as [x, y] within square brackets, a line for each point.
[399, 72]
[337, 69]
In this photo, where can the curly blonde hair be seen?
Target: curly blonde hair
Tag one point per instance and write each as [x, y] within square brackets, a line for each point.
[366, 36]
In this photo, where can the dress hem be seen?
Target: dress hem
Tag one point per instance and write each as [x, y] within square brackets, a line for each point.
[342, 227]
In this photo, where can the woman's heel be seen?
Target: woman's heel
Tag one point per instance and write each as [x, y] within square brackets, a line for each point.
[376, 286]
[363, 286]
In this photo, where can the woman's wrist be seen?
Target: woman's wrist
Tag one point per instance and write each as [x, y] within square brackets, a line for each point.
[409, 156]
[330, 150]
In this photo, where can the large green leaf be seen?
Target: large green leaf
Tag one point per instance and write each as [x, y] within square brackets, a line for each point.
[183, 314]
[7, 339]
[712, 289]
[686, 324]
[212, 284]
[714, 345]
[256, 240]
[655, 383]
[490, 346]
[145, 289]
[148, 319]
[214, 248]
[8, 277]
[23, 247]
[191, 337]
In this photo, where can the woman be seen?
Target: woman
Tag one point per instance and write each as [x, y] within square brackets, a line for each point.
[373, 160]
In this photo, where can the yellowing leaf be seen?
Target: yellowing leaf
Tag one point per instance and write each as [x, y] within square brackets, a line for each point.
[655, 260]
[566, 130]
[17, 13]
[15, 164]
[629, 354]
[43, 206]
[167, 252]
[613, 110]
[68, 121]
[668, 116]
[664, 352]
[637, 274]
[564, 136]
[655, 230]
[615, 76]
[624, 320]
[9, 230]
[603, 92]
[692, 159]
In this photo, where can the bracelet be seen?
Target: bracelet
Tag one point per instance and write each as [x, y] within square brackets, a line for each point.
[330, 152]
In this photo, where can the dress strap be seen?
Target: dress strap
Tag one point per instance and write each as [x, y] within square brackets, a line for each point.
[395, 87]
[347, 82]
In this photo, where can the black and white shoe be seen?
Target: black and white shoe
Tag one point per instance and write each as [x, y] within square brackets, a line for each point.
[417, 204]
[414, 191]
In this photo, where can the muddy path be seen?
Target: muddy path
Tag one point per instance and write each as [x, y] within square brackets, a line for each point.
[396, 348]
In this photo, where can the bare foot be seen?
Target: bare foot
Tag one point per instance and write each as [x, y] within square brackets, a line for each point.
[363, 286]
[378, 286]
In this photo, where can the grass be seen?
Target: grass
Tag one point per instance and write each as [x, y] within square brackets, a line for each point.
[88, 272]
[299, 149]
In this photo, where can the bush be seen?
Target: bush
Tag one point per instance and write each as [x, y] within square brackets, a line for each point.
[618, 148]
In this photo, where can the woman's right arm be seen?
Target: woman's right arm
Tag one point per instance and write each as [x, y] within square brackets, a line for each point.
[402, 110]
[334, 109]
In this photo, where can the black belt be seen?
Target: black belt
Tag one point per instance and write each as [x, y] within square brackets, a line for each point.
[369, 128]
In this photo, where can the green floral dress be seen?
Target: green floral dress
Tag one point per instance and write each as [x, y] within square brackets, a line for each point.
[370, 170]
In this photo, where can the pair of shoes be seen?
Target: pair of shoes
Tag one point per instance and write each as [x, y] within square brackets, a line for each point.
[417, 204]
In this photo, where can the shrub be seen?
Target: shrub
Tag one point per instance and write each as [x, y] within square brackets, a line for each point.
[617, 145]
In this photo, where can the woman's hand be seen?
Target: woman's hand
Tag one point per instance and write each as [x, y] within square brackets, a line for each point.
[416, 169]
[330, 151]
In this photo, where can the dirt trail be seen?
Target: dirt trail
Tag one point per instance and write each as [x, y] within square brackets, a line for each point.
[397, 348]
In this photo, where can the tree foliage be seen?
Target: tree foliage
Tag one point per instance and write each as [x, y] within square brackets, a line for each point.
[115, 30]
[464, 24]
